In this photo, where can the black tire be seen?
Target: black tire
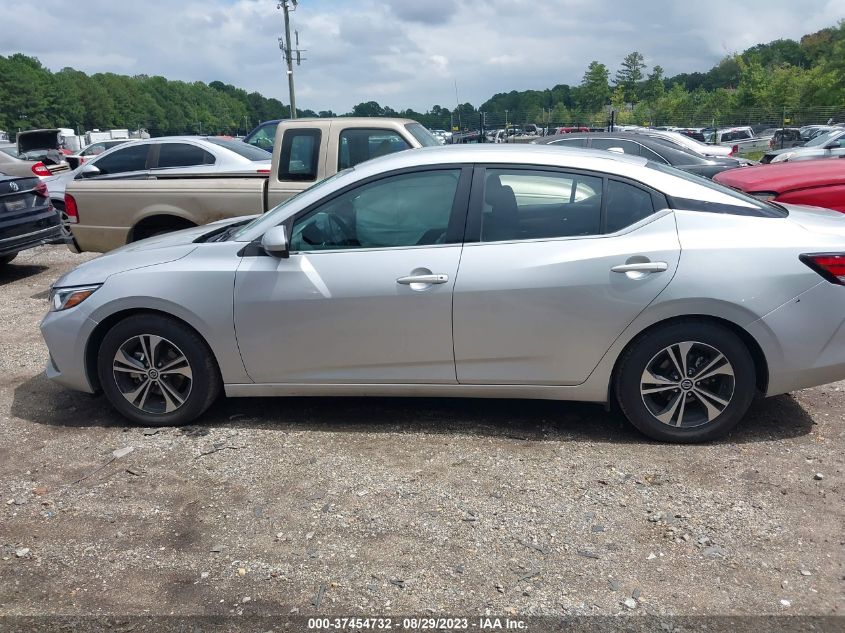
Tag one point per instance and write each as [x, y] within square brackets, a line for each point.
[698, 416]
[197, 393]
[5, 259]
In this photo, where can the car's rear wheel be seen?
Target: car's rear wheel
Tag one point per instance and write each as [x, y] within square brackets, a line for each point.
[157, 371]
[5, 259]
[689, 381]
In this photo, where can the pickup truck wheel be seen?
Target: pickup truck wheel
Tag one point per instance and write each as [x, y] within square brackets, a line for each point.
[7, 258]
[157, 371]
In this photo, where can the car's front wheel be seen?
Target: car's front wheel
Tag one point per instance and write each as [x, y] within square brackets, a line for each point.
[690, 381]
[157, 371]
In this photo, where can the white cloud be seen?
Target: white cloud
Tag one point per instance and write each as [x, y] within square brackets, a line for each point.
[402, 53]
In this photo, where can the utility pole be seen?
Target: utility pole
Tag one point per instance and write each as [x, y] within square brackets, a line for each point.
[287, 53]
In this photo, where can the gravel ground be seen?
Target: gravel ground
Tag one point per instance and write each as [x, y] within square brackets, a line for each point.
[399, 506]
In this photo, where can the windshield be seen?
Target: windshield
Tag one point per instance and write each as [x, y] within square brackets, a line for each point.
[275, 215]
[823, 139]
[11, 150]
[425, 138]
[250, 152]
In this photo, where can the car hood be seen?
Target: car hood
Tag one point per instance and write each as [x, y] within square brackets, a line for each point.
[152, 251]
[783, 177]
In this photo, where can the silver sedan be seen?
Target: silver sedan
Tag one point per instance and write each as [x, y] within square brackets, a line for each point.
[500, 272]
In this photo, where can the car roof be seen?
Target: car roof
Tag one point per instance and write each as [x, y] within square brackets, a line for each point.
[517, 154]
[780, 177]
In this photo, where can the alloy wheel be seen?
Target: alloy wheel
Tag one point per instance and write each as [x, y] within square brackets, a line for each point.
[152, 373]
[687, 384]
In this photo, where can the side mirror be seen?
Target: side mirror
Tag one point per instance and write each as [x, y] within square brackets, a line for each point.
[275, 242]
[89, 170]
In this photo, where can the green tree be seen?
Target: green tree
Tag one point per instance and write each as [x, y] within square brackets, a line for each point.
[630, 75]
[594, 91]
[653, 88]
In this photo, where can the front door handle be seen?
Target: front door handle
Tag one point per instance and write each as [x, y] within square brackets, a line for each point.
[423, 279]
[641, 267]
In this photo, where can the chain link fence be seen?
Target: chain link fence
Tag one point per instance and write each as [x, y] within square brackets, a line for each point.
[469, 125]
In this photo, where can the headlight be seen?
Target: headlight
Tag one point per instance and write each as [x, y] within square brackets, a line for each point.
[64, 298]
[765, 196]
[782, 157]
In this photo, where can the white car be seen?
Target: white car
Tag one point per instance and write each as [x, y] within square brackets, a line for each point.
[178, 154]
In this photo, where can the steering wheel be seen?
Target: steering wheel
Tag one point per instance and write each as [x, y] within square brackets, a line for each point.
[334, 233]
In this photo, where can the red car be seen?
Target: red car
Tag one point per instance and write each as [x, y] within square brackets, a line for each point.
[818, 183]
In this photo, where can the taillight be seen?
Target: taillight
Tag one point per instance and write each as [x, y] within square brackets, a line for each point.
[71, 210]
[734, 150]
[262, 171]
[40, 170]
[831, 266]
[41, 189]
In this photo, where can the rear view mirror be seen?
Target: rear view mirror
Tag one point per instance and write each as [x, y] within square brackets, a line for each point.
[275, 242]
[89, 170]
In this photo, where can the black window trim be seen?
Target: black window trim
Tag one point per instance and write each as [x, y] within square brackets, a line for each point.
[287, 142]
[457, 218]
[476, 206]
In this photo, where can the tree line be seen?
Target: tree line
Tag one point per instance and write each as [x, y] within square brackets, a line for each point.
[771, 79]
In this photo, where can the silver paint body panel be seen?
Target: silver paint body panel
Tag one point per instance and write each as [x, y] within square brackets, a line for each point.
[533, 319]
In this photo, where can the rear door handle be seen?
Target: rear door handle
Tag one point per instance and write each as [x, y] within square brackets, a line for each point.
[422, 279]
[641, 267]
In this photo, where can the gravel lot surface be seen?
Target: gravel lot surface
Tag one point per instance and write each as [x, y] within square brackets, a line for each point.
[399, 506]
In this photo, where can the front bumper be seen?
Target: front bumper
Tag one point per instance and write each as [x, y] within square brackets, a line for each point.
[66, 334]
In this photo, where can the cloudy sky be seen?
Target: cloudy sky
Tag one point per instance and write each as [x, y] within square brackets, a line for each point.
[402, 53]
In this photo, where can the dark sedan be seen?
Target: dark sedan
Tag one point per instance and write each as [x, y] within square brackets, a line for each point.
[27, 219]
[654, 149]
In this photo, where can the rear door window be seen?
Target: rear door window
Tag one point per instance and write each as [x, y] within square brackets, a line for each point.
[522, 204]
[358, 145]
[126, 159]
[300, 155]
[183, 155]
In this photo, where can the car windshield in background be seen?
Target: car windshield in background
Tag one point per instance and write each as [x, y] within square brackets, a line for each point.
[761, 208]
[823, 139]
[419, 132]
[250, 152]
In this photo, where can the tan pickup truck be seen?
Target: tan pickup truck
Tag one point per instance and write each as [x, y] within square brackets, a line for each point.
[113, 210]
